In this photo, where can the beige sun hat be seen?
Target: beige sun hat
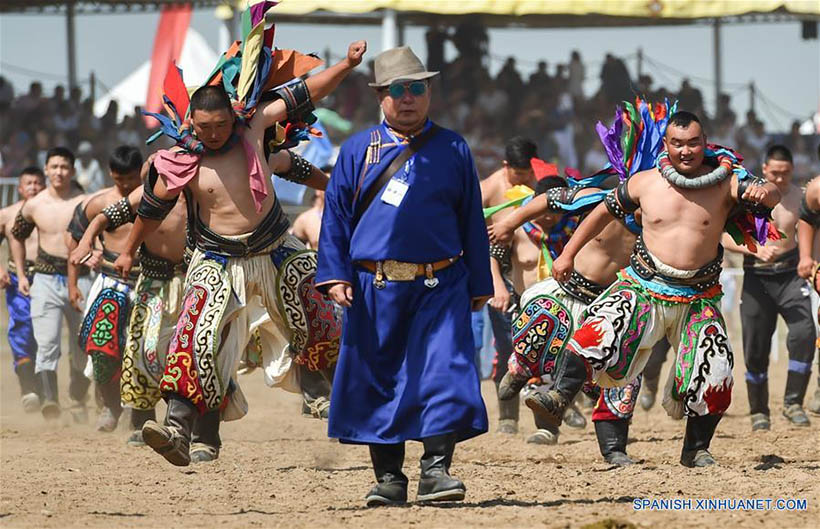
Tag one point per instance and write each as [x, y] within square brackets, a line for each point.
[398, 64]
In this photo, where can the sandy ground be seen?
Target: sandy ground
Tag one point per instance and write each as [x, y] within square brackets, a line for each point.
[279, 469]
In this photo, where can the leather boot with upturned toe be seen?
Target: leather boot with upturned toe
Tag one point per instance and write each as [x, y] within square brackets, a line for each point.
[172, 440]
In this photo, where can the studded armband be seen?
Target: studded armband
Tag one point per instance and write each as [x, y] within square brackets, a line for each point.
[22, 228]
[118, 214]
[299, 169]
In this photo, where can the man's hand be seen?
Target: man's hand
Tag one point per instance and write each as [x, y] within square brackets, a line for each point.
[75, 297]
[501, 299]
[5, 279]
[355, 52]
[123, 264]
[765, 254]
[562, 267]
[78, 256]
[500, 232]
[806, 266]
[341, 293]
[23, 286]
[478, 303]
[756, 194]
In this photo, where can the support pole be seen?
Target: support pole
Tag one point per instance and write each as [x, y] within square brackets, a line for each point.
[752, 95]
[71, 45]
[92, 84]
[390, 30]
[640, 62]
[718, 52]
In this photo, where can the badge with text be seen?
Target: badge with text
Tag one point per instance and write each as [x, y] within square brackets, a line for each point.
[394, 192]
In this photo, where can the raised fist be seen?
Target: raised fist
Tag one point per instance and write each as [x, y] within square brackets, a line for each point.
[355, 52]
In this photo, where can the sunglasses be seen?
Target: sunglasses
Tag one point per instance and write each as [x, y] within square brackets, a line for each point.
[416, 88]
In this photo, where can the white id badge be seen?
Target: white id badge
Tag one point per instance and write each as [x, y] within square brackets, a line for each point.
[394, 192]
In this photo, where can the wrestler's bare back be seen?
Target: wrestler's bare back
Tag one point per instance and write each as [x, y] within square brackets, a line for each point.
[682, 227]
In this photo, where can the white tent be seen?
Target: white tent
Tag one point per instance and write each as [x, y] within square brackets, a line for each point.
[197, 59]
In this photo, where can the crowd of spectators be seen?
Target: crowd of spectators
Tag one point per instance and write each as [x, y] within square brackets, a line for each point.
[551, 106]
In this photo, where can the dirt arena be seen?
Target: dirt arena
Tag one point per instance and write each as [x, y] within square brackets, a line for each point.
[278, 469]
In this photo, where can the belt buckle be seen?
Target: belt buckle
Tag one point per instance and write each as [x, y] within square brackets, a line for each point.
[398, 271]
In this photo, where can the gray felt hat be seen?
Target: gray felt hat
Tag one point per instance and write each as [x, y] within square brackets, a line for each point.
[398, 64]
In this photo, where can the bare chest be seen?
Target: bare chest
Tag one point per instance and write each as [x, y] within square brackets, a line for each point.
[665, 206]
[52, 216]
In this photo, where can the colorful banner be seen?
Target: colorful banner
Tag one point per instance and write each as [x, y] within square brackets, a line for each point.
[171, 32]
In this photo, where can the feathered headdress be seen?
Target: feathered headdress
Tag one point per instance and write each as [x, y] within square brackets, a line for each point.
[249, 71]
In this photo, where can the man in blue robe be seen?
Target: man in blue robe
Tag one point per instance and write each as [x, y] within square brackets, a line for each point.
[405, 251]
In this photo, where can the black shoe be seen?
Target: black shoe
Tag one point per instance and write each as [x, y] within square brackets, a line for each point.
[435, 482]
[612, 437]
[391, 488]
[388, 493]
[696, 440]
[172, 440]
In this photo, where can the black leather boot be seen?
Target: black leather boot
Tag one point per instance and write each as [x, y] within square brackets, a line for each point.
[172, 440]
[551, 405]
[758, 393]
[612, 437]
[391, 486]
[508, 414]
[435, 482]
[112, 406]
[29, 391]
[138, 419]
[315, 393]
[796, 385]
[205, 442]
[51, 400]
[699, 433]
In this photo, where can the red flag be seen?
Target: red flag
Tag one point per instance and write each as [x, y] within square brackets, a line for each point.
[173, 26]
[543, 169]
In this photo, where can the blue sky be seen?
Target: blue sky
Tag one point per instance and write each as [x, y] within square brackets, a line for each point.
[785, 68]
